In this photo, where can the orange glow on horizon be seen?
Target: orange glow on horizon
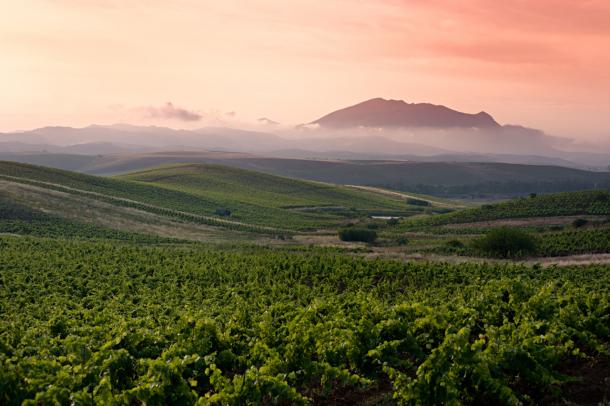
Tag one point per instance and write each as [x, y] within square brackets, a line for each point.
[542, 64]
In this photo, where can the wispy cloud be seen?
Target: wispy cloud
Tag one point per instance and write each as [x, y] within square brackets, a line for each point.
[170, 112]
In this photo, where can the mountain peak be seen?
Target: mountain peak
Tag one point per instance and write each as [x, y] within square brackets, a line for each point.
[379, 112]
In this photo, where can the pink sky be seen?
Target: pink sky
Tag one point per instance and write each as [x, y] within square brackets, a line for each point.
[540, 63]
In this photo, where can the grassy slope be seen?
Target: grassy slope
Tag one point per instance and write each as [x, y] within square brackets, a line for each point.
[591, 202]
[439, 178]
[195, 190]
[267, 199]
[20, 219]
[548, 217]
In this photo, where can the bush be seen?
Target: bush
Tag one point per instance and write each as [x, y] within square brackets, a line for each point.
[223, 212]
[393, 221]
[454, 244]
[357, 234]
[418, 202]
[402, 240]
[579, 223]
[505, 242]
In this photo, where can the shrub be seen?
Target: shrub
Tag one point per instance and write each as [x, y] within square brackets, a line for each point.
[402, 240]
[579, 223]
[505, 242]
[455, 247]
[221, 211]
[417, 202]
[393, 221]
[357, 234]
[454, 244]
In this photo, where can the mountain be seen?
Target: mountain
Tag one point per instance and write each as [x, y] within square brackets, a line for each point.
[397, 113]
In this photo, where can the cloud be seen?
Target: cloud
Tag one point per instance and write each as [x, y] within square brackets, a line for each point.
[171, 112]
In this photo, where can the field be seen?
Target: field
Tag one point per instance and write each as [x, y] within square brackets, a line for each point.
[86, 322]
[207, 284]
[240, 200]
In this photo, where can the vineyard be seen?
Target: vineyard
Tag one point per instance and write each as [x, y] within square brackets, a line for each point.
[591, 202]
[95, 322]
[198, 193]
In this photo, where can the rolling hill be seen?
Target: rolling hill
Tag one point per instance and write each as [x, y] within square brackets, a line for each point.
[209, 196]
[448, 179]
[584, 203]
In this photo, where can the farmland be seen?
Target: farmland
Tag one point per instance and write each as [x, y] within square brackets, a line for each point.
[203, 284]
[256, 202]
[92, 322]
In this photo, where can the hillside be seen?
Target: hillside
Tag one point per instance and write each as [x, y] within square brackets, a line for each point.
[267, 199]
[381, 113]
[590, 202]
[561, 224]
[210, 195]
[448, 179]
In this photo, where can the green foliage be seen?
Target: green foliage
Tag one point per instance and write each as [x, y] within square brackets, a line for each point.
[222, 212]
[393, 221]
[579, 223]
[587, 241]
[201, 194]
[99, 323]
[402, 240]
[590, 202]
[505, 242]
[418, 202]
[16, 218]
[358, 234]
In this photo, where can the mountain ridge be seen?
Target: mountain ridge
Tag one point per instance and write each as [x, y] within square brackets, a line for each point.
[379, 112]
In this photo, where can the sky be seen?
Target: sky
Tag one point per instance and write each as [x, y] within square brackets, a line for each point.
[191, 63]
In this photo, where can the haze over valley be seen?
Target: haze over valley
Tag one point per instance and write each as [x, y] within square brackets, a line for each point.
[374, 129]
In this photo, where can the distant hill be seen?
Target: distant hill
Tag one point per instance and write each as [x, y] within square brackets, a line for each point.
[205, 195]
[397, 113]
[583, 203]
[447, 179]
[462, 139]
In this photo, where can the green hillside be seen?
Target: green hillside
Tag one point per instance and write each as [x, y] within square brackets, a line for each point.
[447, 179]
[259, 198]
[589, 202]
[21, 219]
[560, 224]
[219, 196]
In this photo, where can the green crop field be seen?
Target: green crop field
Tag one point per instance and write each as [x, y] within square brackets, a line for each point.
[85, 322]
[203, 284]
[590, 202]
[263, 199]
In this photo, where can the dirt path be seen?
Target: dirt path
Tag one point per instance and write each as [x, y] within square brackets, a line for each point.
[584, 259]
[525, 221]
[405, 195]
